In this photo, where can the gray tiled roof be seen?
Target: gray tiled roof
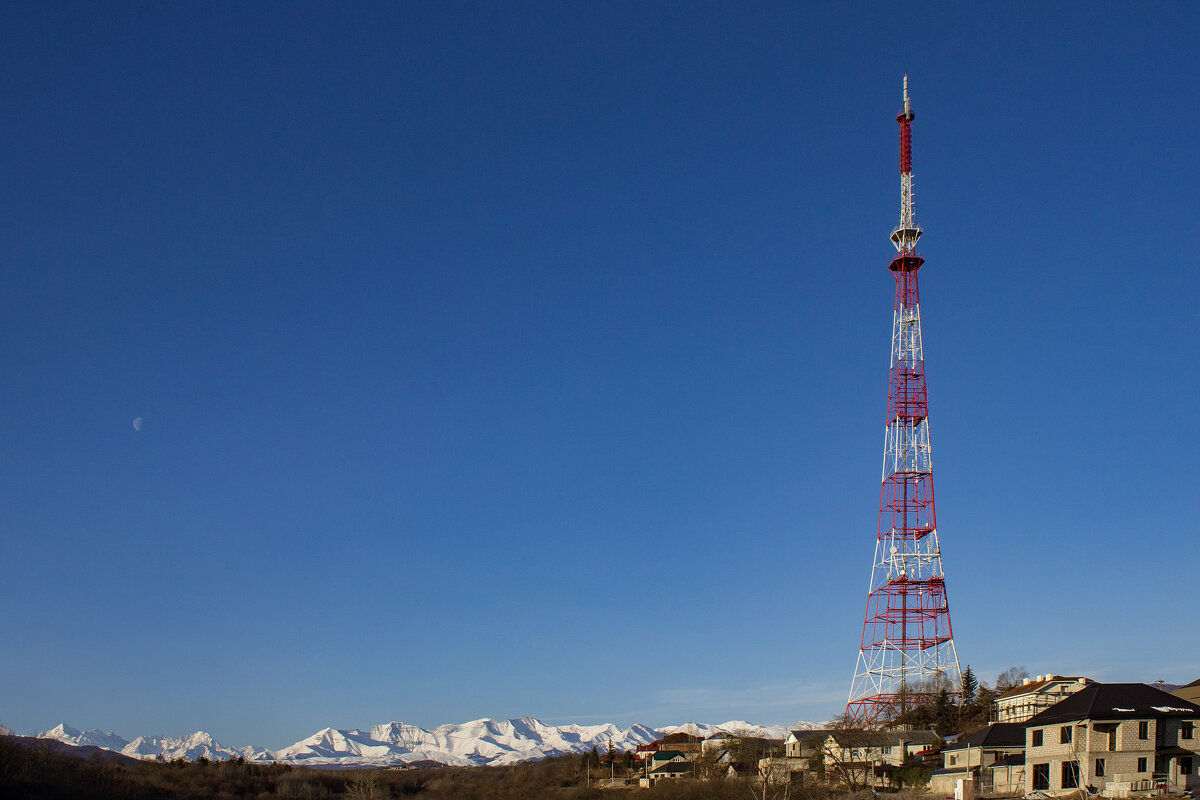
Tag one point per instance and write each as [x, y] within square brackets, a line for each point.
[1114, 701]
[1001, 734]
[673, 768]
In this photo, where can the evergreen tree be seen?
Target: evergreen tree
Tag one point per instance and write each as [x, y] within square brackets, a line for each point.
[970, 685]
[944, 714]
[985, 703]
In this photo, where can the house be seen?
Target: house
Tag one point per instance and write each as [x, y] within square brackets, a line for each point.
[1118, 738]
[664, 757]
[672, 771]
[972, 754]
[1190, 692]
[720, 740]
[803, 755]
[804, 744]
[682, 741]
[1004, 777]
[781, 769]
[868, 758]
[644, 751]
[1034, 695]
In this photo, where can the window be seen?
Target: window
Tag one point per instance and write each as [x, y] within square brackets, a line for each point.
[1185, 730]
[953, 760]
[1099, 768]
[1041, 776]
[1070, 775]
[1036, 740]
[1064, 735]
[1112, 739]
[1143, 732]
[1141, 765]
[1185, 765]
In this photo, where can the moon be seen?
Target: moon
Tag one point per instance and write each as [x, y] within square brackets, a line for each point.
[137, 423]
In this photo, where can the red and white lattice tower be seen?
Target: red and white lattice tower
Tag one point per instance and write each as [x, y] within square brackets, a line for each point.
[907, 651]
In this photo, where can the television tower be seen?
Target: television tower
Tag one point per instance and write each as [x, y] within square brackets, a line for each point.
[907, 651]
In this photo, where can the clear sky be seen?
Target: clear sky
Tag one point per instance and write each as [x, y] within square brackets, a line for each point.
[501, 359]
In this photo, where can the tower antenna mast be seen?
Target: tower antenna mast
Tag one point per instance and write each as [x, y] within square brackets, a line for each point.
[907, 654]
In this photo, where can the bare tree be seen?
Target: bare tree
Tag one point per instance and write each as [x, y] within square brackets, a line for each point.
[1011, 678]
[770, 784]
[366, 786]
[847, 753]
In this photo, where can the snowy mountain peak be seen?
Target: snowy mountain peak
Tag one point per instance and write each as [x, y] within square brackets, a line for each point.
[59, 730]
[95, 738]
[735, 726]
[191, 747]
[478, 742]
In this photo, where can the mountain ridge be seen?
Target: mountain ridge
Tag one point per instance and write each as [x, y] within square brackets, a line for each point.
[475, 743]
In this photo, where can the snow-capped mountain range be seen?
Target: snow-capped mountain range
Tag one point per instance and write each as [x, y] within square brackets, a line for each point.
[480, 742]
[191, 747]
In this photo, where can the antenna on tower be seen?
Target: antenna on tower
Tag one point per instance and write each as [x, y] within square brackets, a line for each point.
[907, 233]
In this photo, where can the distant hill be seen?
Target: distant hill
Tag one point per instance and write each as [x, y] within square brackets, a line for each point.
[80, 751]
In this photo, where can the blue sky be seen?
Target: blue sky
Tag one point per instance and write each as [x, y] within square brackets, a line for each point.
[506, 359]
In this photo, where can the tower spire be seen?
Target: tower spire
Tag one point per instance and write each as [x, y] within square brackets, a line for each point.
[907, 653]
[907, 233]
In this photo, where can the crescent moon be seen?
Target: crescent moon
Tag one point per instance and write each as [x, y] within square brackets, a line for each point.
[137, 423]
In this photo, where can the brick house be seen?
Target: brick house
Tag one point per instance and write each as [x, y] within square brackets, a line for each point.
[1035, 695]
[1117, 738]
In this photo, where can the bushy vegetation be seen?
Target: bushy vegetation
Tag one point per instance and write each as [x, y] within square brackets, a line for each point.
[34, 771]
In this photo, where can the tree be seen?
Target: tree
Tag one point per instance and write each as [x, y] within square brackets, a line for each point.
[968, 694]
[771, 784]
[365, 787]
[912, 774]
[970, 685]
[985, 705]
[944, 713]
[1010, 678]
[847, 757]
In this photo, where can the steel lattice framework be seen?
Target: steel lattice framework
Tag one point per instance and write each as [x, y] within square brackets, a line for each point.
[907, 651]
